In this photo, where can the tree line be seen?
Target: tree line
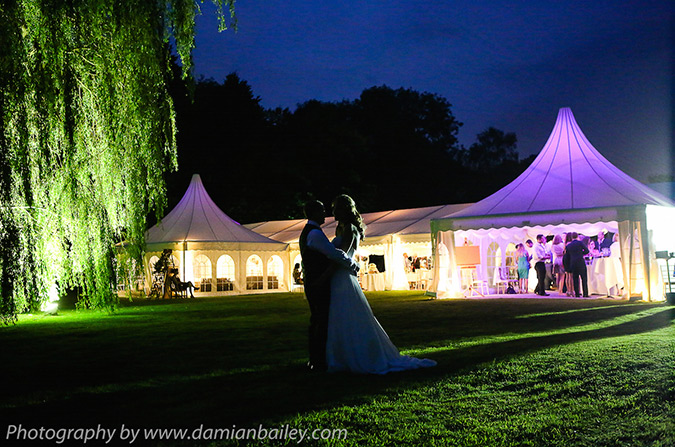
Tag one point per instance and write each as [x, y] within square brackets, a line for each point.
[389, 149]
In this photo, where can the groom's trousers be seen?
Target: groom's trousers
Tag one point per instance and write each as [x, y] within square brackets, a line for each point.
[318, 297]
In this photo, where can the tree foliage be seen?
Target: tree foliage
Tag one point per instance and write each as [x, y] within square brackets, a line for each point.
[86, 133]
[389, 149]
[225, 137]
[491, 162]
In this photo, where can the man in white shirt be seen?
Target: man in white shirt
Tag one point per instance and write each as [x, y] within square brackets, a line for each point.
[540, 256]
[318, 258]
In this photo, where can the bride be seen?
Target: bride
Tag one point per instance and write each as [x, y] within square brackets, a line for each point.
[356, 341]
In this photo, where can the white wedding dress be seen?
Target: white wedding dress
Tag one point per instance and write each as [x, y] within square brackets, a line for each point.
[356, 341]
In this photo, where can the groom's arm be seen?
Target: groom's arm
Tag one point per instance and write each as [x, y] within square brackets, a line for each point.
[318, 241]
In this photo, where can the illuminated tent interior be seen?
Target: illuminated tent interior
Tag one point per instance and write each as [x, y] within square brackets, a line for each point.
[570, 186]
[389, 234]
[213, 251]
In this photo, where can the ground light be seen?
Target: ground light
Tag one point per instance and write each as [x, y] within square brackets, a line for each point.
[51, 306]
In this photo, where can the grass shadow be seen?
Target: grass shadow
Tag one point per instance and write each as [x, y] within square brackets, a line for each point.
[220, 395]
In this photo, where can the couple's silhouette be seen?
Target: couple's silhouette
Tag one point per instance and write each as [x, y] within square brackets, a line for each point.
[344, 335]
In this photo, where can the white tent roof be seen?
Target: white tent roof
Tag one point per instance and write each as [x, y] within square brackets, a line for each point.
[379, 225]
[568, 174]
[197, 218]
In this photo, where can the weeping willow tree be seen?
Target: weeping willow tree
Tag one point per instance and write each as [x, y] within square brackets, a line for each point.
[87, 131]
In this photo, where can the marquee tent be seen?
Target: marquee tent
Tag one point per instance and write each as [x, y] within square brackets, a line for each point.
[570, 186]
[388, 233]
[213, 251]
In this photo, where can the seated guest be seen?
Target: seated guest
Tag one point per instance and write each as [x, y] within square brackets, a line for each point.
[416, 264]
[603, 242]
[179, 286]
[297, 274]
[593, 250]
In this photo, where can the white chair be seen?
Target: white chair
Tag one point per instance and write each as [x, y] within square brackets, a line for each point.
[504, 277]
[471, 283]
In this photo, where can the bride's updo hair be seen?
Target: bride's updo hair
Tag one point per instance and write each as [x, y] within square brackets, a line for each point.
[344, 210]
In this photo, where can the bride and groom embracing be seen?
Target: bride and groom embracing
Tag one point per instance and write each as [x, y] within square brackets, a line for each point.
[344, 335]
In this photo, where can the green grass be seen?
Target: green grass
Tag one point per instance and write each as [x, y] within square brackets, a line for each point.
[511, 372]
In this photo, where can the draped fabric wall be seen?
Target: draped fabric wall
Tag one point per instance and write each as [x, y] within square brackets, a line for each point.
[446, 282]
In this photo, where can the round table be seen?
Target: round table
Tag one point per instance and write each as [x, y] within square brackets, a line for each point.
[605, 277]
[374, 282]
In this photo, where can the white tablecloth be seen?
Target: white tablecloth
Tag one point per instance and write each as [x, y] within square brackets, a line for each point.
[374, 282]
[605, 277]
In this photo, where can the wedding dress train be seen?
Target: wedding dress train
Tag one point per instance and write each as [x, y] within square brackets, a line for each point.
[356, 340]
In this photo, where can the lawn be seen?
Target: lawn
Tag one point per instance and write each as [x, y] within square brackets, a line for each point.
[511, 372]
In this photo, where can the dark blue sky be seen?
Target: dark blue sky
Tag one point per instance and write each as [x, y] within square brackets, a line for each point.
[510, 65]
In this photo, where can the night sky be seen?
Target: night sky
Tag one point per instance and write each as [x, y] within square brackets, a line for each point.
[510, 65]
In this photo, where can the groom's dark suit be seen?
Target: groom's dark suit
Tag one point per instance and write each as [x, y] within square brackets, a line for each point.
[317, 259]
[317, 290]
[577, 250]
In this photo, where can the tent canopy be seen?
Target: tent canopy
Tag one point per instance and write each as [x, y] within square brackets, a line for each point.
[197, 218]
[569, 185]
[379, 225]
[568, 178]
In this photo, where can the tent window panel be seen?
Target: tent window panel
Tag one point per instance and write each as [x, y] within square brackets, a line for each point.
[510, 255]
[254, 273]
[275, 272]
[224, 285]
[225, 274]
[202, 273]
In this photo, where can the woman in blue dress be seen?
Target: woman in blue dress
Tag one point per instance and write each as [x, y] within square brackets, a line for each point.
[523, 258]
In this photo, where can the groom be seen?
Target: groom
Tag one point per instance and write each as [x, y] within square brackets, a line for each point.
[318, 255]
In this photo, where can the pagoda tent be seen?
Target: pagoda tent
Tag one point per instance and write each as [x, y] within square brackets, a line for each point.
[570, 186]
[213, 251]
[389, 235]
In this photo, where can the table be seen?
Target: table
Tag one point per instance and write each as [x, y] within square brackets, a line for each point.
[605, 277]
[373, 282]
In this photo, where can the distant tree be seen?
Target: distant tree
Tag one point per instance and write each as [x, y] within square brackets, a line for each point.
[322, 151]
[490, 163]
[225, 137]
[411, 140]
[86, 133]
[388, 149]
[492, 150]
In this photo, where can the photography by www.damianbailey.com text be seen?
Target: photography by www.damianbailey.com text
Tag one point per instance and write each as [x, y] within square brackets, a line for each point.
[130, 435]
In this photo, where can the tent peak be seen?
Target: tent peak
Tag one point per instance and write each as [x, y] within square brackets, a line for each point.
[197, 218]
[568, 174]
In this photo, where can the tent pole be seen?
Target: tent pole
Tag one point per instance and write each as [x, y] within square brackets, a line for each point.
[646, 258]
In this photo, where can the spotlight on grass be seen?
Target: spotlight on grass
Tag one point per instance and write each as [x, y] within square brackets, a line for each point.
[51, 307]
